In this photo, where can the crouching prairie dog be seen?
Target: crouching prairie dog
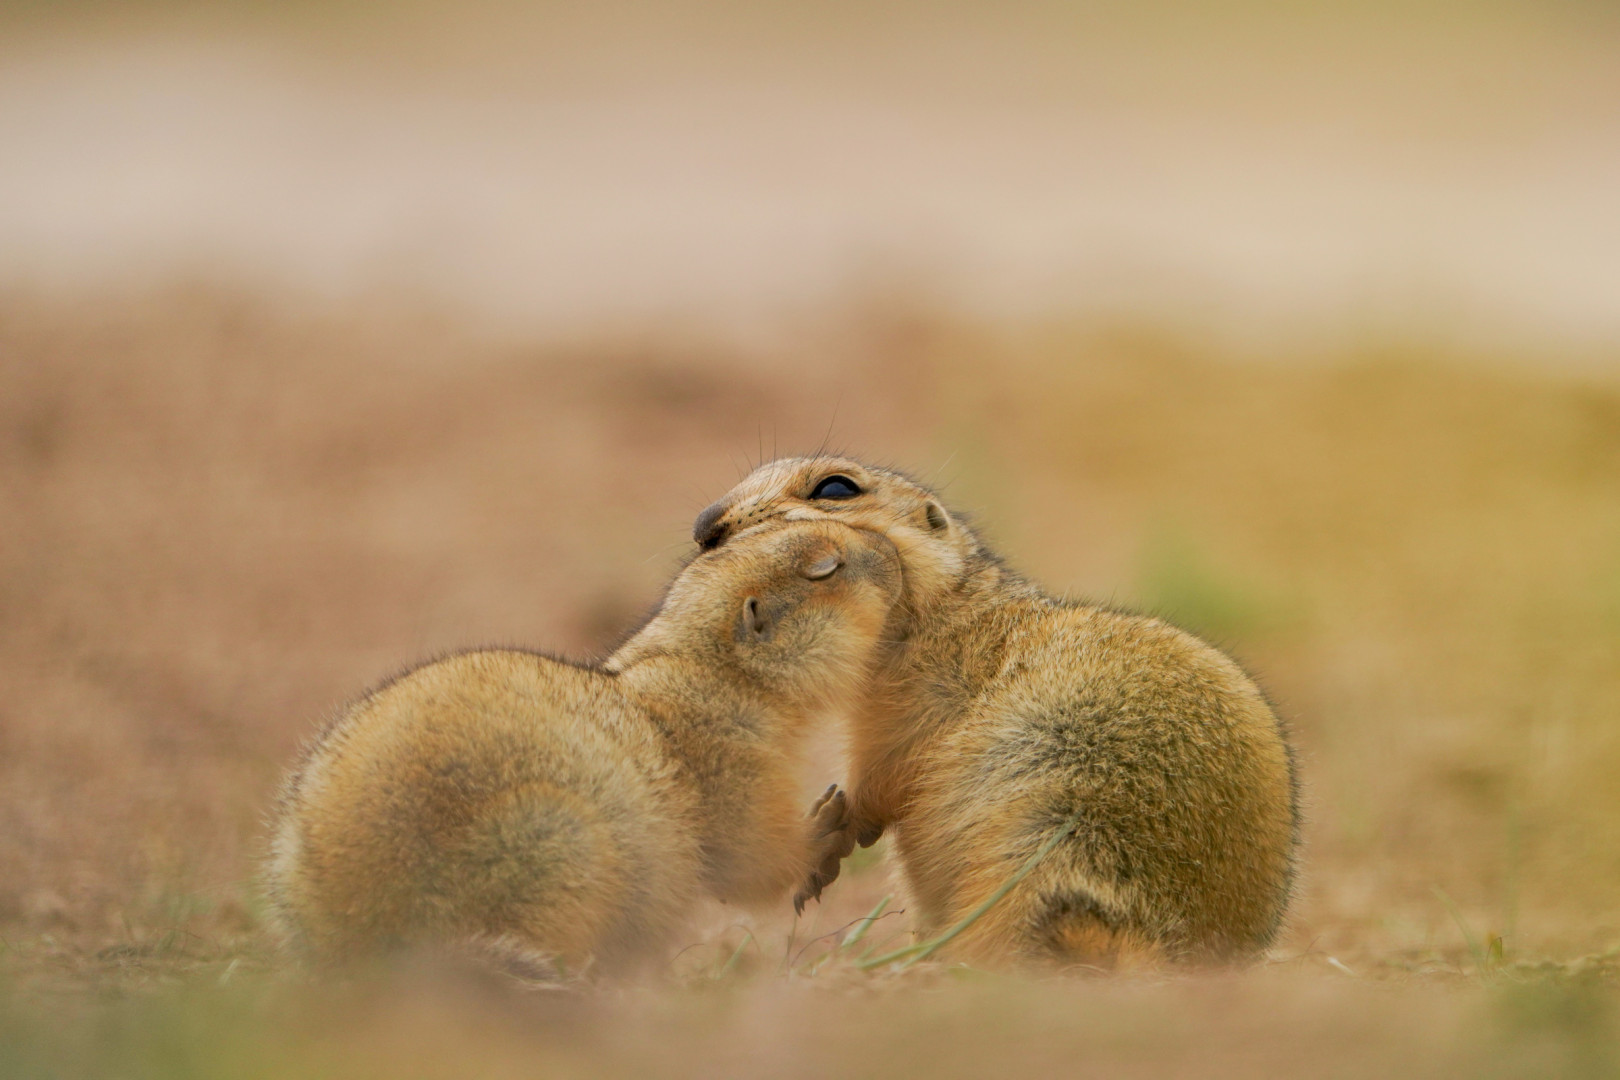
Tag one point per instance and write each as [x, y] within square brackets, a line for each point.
[1001, 717]
[564, 815]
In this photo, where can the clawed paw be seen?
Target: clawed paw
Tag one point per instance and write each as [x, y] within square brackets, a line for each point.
[829, 813]
[831, 839]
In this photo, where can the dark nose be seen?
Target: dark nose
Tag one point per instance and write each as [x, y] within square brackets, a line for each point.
[708, 530]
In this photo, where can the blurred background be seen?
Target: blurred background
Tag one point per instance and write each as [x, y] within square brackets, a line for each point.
[336, 334]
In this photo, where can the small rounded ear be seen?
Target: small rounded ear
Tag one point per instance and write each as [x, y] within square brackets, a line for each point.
[823, 567]
[755, 624]
[709, 530]
[935, 515]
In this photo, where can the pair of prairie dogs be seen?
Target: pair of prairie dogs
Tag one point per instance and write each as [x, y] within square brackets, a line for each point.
[571, 815]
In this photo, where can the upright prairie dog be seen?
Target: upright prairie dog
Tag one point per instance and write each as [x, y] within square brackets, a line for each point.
[1002, 716]
[562, 815]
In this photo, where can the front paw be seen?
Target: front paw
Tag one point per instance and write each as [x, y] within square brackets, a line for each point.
[831, 839]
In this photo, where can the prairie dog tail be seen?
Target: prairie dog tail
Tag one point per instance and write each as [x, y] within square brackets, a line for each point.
[1051, 918]
[1082, 939]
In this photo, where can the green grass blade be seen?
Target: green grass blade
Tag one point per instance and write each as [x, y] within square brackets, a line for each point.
[1481, 959]
[865, 923]
[736, 955]
[888, 957]
[926, 949]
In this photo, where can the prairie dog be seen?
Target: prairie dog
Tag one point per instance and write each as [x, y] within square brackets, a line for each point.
[564, 814]
[1001, 716]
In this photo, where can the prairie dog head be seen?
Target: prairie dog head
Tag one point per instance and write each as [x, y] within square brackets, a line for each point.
[934, 546]
[796, 608]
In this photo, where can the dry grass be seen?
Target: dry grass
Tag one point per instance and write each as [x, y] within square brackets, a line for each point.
[221, 517]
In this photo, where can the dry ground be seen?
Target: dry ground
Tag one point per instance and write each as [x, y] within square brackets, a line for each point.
[220, 516]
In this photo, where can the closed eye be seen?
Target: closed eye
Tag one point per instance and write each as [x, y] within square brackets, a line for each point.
[836, 487]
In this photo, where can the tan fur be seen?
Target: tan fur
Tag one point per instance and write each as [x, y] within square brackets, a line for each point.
[571, 815]
[1001, 713]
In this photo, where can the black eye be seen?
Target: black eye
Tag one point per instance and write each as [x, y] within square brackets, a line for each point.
[836, 487]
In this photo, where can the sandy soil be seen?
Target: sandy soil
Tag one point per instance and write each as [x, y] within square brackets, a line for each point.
[328, 343]
[223, 518]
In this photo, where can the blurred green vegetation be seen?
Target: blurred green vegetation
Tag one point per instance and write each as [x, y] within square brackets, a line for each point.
[1184, 584]
[425, 1022]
